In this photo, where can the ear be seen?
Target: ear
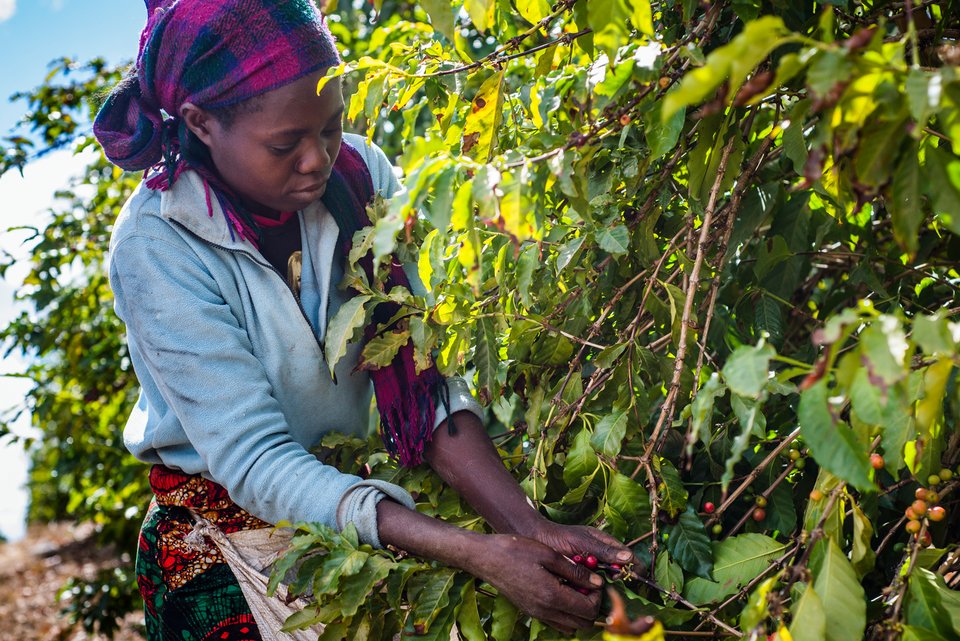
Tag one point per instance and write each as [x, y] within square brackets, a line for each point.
[198, 121]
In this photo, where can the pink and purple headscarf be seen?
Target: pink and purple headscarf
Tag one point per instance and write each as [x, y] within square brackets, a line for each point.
[214, 54]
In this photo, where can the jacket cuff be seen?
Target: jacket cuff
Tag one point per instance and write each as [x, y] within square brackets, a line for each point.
[359, 506]
[460, 400]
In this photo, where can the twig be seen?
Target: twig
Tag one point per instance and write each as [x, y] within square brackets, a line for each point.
[673, 595]
[752, 476]
[765, 494]
[914, 551]
[742, 183]
[776, 564]
[666, 412]
[496, 57]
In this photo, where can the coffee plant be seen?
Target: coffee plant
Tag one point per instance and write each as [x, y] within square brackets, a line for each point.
[699, 260]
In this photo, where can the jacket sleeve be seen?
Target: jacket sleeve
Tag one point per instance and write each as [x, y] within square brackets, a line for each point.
[203, 365]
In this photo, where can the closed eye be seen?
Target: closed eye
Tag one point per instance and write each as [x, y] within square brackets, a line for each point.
[281, 150]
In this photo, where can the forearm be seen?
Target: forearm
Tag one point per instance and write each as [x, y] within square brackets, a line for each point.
[468, 462]
[427, 537]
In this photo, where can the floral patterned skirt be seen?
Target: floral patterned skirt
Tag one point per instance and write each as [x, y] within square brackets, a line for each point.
[189, 592]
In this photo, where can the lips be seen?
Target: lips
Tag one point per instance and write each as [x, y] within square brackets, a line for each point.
[311, 188]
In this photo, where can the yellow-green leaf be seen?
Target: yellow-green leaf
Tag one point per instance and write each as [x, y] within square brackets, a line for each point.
[480, 12]
[480, 130]
[381, 350]
[348, 319]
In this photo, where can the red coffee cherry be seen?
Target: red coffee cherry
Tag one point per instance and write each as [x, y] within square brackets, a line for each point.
[591, 562]
[876, 461]
[709, 507]
[759, 514]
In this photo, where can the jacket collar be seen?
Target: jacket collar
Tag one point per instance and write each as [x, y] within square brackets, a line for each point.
[186, 204]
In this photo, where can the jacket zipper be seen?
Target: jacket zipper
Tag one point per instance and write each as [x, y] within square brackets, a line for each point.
[296, 298]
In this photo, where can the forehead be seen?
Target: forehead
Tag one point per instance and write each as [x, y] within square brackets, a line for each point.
[296, 105]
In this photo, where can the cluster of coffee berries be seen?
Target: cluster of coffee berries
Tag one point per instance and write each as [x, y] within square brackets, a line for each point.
[591, 562]
[924, 506]
[942, 476]
[797, 456]
[588, 560]
[759, 513]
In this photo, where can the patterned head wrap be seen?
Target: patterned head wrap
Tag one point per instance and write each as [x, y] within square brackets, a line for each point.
[214, 54]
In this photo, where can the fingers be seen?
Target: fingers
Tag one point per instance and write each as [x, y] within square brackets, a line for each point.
[572, 610]
[576, 575]
[609, 549]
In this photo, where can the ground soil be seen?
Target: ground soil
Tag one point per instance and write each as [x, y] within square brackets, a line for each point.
[33, 570]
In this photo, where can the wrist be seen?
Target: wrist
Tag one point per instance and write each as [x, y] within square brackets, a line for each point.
[529, 523]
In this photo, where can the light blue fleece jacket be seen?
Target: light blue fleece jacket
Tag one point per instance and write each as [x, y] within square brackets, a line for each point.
[231, 366]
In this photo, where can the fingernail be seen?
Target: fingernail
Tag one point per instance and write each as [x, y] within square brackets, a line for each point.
[625, 555]
[596, 580]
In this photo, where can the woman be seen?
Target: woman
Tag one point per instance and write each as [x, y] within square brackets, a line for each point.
[224, 265]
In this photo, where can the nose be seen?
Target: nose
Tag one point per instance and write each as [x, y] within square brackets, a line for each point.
[315, 158]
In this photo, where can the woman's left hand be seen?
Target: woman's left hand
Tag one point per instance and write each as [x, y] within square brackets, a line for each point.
[571, 540]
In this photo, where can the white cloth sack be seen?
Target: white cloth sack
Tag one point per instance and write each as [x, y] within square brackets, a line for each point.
[251, 555]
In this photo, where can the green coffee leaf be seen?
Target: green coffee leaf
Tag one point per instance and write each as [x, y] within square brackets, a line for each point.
[862, 557]
[615, 240]
[342, 329]
[468, 616]
[752, 423]
[504, 619]
[731, 62]
[486, 360]
[581, 459]
[338, 563]
[831, 442]
[839, 589]
[701, 417]
[747, 370]
[809, 620]
[355, 589]
[609, 432]
[673, 495]
[629, 503]
[690, 546]
[668, 574]
[736, 561]
[430, 593]
[905, 204]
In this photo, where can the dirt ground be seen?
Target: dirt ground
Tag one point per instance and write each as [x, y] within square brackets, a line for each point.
[34, 569]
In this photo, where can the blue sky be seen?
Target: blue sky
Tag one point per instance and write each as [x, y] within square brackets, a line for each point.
[34, 32]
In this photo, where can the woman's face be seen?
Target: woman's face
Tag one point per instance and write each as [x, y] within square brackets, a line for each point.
[278, 155]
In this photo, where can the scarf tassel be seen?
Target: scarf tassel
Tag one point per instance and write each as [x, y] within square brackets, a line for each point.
[408, 404]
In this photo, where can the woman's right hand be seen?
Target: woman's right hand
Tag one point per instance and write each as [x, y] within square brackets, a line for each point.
[539, 581]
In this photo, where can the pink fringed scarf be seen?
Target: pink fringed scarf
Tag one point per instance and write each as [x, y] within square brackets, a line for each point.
[407, 401]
